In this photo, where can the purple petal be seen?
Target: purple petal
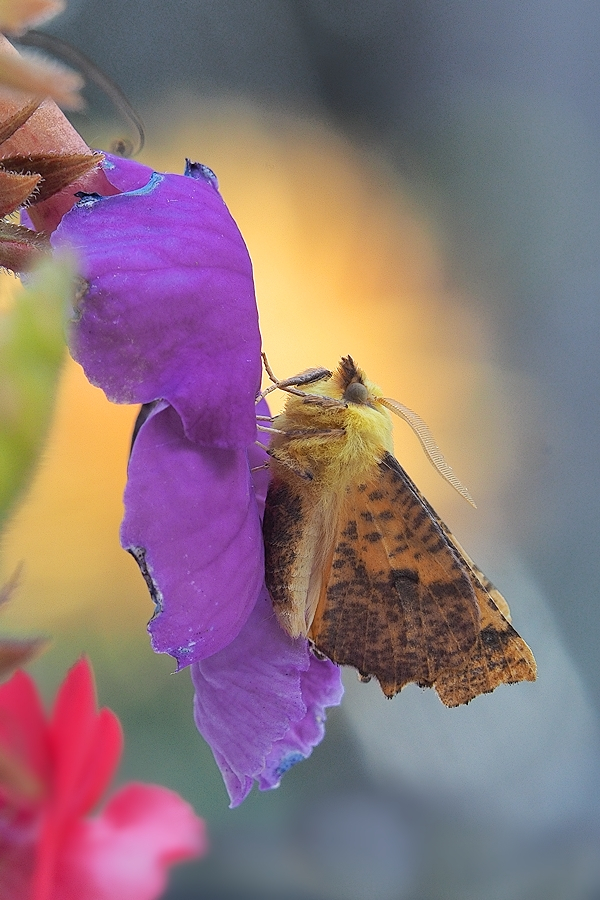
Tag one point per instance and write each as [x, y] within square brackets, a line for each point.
[321, 686]
[260, 702]
[170, 311]
[192, 523]
[126, 174]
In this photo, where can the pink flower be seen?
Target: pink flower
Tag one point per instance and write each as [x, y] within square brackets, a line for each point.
[53, 771]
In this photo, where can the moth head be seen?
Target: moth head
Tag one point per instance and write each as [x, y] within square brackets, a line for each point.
[356, 392]
[356, 388]
[352, 383]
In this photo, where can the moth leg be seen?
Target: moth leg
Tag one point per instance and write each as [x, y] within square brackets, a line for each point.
[268, 369]
[303, 432]
[291, 385]
[308, 376]
[264, 465]
[318, 400]
[270, 429]
[310, 432]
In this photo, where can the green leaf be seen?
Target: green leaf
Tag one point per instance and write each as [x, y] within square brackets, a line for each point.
[32, 349]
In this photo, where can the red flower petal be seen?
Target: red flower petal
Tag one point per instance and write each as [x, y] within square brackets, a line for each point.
[23, 724]
[86, 747]
[87, 744]
[48, 850]
[103, 757]
[124, 853]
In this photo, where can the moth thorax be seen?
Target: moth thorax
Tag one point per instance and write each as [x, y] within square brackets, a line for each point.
[356, 393]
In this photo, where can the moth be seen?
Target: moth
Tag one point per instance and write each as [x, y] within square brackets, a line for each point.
[359, 562]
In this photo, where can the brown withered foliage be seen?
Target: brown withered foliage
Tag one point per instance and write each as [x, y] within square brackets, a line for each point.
[27, 180]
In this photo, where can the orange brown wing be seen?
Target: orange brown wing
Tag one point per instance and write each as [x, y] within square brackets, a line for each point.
[396, 600]
[290, 536]
[500, 655]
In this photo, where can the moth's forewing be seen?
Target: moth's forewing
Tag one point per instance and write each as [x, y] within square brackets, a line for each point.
[500, 656]
[291, 541]
[479, 576]
[396, 602]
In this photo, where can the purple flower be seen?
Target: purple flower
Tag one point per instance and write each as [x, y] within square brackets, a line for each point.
[170, 312]
[168, 318]
[192, 523]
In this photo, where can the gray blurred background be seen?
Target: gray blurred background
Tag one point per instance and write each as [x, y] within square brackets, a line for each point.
[488, 113]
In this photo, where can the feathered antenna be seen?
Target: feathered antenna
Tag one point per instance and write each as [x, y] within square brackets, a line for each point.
[430, 447]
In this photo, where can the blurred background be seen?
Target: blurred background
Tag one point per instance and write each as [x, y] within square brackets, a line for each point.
[418, 184]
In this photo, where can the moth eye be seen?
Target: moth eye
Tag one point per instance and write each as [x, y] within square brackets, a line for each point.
[356, 393]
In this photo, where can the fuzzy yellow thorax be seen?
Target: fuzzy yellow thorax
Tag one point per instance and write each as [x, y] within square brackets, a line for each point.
[337, 443]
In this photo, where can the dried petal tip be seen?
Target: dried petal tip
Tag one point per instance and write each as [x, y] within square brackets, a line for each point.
[199, 170]
[35, 76]
[17, 17]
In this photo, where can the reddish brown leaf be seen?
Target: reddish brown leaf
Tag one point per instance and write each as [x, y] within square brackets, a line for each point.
[57, 170]
[20, 248]
[16, 652]
[15, 189]
[18, 118]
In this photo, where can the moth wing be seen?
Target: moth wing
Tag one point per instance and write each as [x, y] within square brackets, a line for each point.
[292, 538]
[396, 601]
[499, 656]
[483, 580]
